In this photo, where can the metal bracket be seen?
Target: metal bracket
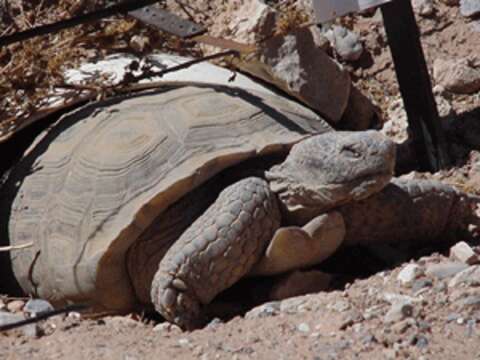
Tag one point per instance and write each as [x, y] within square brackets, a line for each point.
[168, 22]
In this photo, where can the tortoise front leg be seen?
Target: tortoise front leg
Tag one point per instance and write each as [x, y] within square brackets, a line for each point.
[295, 247]
[218, 249]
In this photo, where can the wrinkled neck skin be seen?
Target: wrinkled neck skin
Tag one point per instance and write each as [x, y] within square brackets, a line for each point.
[330, 170]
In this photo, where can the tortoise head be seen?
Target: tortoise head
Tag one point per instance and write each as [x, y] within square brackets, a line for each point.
[331, 169]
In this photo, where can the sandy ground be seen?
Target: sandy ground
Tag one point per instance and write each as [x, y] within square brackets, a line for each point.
[361, 319]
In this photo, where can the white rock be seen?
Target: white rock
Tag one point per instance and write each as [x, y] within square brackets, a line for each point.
[303, 327]
[409, 273]
[464, 253]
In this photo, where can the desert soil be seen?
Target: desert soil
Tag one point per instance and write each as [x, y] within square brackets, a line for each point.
[368, 313]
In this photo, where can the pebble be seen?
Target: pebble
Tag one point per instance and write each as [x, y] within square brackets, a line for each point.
[346, 43]
[445, 270]
[30, 330]
[471, 302]
[398, 311]
[303, 327]
[15, 305]
[265, 310]
[423, 7]
[469, 8]
[469, 276]
[409, 273]
[37, 306]
[464, 253]
[166, 327]
[184, 342]
[421, 284]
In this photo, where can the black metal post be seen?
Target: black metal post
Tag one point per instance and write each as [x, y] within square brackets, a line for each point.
[415, 85]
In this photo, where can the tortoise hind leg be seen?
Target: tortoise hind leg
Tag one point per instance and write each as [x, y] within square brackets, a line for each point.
[218, 249]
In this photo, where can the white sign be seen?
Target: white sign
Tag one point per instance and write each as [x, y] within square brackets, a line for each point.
[326, 10]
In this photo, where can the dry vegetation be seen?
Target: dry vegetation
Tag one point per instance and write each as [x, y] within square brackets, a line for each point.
[32, 69]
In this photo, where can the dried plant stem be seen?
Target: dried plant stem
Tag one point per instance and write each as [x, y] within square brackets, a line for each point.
[15, 247]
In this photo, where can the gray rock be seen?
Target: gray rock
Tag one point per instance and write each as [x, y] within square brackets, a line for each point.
[265, 310]
[37, 306]
[469, 276]
[297, 64]
[445, 270]
[453, 317]
[346, 43]
[339, 306]
[8, 318]
[470, 8]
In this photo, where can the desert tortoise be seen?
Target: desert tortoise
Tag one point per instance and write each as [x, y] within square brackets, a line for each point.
[105, 193]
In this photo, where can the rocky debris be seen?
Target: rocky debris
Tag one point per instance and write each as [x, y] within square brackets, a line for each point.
[361, 113]
[409, 274]
[470, 8]
[445, 270]
[299, 283]
[423, 7]
[464, 253]
[469, 276]
[457, 75]
[346, 43]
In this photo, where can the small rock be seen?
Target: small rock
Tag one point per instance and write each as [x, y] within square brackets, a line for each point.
[445, 270]
[464, 253]
[421, 284]
[469, 8]
[8, 318]
[139, 43]
[167, 327]
[469, 276]
[453, 317]
[346, 43]
[350, 319]
[409, 273]
[15, 306]
[184, 342]
[420, 341]
[398, 311]
[264, 310]
[37, 306]
[2, 305]
[402, 326]
[471, 302]
[423, 7]
[303, 327]
[457, 76]
[471, 327]
[372, 312]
